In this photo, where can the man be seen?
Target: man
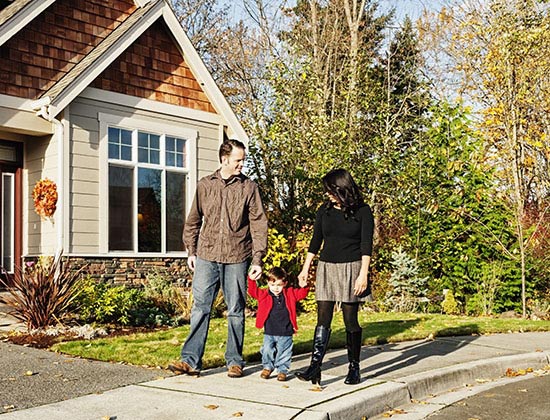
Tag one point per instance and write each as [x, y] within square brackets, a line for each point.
[225, 231]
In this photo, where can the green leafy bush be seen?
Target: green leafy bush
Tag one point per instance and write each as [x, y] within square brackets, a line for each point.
[103, 303]
[449, 304]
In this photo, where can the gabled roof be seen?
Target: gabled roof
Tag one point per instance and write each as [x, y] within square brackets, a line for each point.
[97, 60]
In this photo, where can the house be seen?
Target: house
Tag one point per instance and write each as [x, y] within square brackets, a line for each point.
[110, 101]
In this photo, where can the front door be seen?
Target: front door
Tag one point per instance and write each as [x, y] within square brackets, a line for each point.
[11, 163]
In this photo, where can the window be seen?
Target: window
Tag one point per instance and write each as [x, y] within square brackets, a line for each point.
[148, 176]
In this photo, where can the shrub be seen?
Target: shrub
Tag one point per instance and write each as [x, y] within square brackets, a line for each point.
[408, 289]
[449, 304]
[41, 292]
[102, 303]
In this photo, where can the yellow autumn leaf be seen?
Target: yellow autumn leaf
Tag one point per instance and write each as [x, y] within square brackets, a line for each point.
[238, 414]
[211, 406]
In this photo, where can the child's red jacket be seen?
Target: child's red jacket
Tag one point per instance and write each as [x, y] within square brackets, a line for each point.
[265, 302]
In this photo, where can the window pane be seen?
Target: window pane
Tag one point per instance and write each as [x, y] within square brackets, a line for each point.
[149, 210]
[126, 153]
[114, 151]
[126, 137]
[120, 209]
[175, 210]
[175, 152]
[155, 157]
[143, 155]
[143, 140]
[170, 143]
[155, 142]
[120, 144]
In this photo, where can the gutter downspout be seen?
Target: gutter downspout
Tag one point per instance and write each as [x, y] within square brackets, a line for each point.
[44, 112]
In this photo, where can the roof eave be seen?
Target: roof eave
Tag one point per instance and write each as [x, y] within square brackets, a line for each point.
[22, 18]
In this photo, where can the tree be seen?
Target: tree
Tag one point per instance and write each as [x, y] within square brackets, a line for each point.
[502, 51]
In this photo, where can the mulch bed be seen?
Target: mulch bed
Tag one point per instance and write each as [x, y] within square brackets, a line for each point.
[44, 341]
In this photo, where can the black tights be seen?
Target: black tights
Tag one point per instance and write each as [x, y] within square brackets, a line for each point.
[325, 310]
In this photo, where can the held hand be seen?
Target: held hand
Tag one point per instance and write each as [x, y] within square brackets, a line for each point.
[302, 277]
[191, 260]
[360, 285]
[255, 272]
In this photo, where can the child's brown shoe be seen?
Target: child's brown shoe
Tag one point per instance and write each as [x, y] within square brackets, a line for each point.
[281, 377]
[265, 373]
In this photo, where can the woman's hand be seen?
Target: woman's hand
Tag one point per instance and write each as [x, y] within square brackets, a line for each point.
[302, 277]
[361, 284]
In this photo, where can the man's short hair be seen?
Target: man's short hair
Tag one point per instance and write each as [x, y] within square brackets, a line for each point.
[227, 147]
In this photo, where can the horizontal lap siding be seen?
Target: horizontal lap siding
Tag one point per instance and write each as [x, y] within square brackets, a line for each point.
[40, 162]
[84, 182]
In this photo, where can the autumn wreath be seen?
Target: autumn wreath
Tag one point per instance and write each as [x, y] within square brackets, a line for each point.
[44, 195]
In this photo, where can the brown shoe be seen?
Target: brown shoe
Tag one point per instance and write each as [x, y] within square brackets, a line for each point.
[265, 373]
[281, 377]
[183, 368]
[234, 371]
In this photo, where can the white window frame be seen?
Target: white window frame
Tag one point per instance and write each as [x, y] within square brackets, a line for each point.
[11, 177]
[135, 124]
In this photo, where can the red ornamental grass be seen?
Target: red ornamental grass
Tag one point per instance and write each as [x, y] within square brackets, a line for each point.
[41, 293]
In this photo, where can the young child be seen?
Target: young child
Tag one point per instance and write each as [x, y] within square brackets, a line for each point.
[277, 315]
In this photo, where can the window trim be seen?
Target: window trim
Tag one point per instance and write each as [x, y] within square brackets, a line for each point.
[135, 124]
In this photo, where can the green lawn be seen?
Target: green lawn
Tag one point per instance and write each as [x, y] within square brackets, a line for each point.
[162, 347]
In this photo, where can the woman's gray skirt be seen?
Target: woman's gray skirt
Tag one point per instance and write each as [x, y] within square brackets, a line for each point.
[335, 281]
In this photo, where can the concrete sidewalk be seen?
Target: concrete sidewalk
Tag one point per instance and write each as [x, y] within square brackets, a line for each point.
[393, 376]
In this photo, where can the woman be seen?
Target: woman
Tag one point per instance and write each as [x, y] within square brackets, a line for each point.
[344, 227]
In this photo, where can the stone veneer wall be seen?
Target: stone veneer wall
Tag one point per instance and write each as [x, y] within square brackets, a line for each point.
[132, 271]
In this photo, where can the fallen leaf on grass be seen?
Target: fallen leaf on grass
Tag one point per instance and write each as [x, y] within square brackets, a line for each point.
[9, 407]
[393, 412]
[522, 390]
[211, 406]
[30, 373]
[238, 414]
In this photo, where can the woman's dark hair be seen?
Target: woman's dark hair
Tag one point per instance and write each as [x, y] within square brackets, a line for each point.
[341, 185]
[227, 147]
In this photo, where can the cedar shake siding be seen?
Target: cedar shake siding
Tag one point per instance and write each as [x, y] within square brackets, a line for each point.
[153, 68]
[42, 53]
[55, 41]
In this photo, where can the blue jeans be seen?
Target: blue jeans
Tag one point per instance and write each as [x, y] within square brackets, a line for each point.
[277, 352]
[207, 279]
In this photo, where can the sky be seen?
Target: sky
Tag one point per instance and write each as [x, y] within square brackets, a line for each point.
[412, 8]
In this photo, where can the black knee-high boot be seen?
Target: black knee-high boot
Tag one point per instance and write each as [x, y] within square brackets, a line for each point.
[320, 344]
[353, 343]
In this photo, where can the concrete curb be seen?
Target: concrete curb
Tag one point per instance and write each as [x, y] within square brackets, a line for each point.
[373, 400]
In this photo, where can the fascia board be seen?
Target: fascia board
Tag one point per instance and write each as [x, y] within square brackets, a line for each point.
[22, 18]
[150, 105]
[89, 75]
[202, 74]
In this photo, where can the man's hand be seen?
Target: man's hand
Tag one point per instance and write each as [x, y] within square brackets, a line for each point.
[255, 272]
[191, 260]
